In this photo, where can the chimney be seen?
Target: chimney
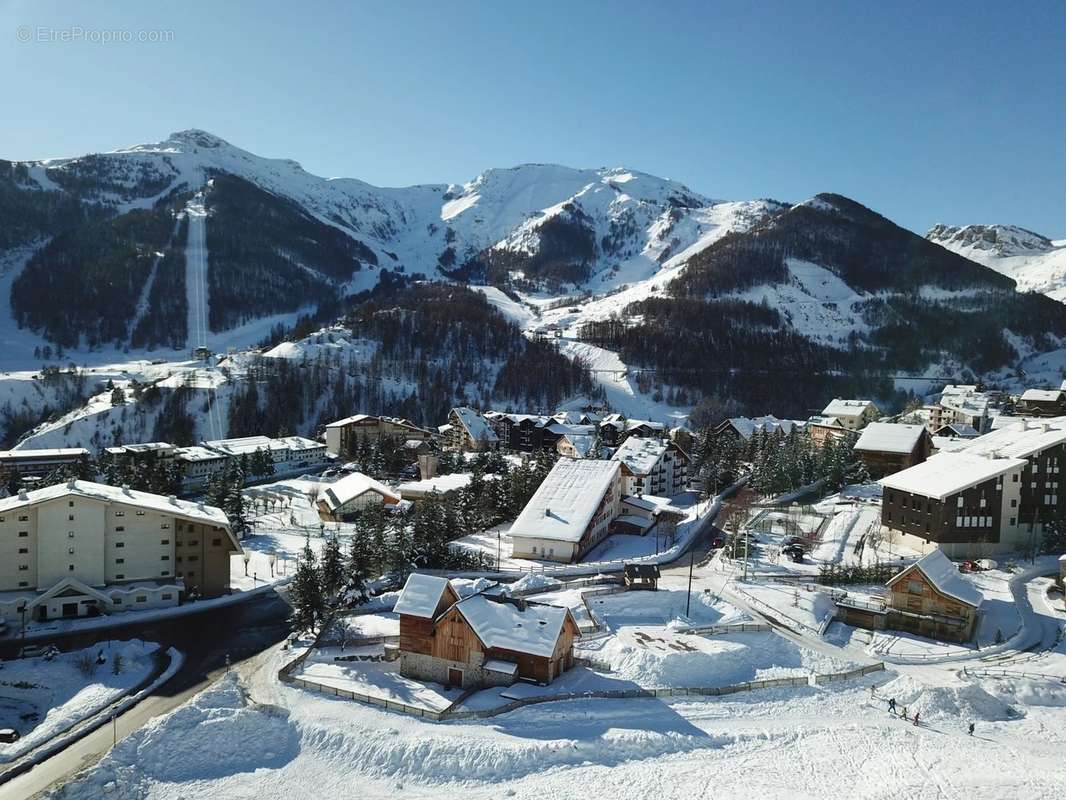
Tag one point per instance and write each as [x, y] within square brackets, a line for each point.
[72, 484]
[126, 488]
[22, 493]
[1045, 426]
[547, 512]
[173, 500]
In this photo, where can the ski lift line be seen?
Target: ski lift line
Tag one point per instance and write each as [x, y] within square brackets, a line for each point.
[741, 370]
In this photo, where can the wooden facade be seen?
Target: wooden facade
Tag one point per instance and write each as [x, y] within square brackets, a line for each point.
[416, 633]
[880, 463]
[978, 518]
[916, 605]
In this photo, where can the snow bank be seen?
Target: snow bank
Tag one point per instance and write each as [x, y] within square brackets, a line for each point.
[955, 702]
[533, 581]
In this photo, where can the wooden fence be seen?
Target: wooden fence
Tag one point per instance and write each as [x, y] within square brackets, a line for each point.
[285, 675]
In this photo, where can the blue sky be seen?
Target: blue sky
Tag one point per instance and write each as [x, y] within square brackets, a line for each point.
[926, 112]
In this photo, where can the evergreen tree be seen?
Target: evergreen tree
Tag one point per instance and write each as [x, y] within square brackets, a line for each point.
[306, 593]
[332, 568]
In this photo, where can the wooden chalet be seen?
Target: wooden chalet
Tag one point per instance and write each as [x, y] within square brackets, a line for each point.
[482, 640]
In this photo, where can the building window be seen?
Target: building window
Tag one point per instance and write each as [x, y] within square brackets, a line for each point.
[194, 542]
[23, 534]
[70, 517]
[120, 513]
[142, 598]
[165, 526]
[914, 587]
[140, 513]
[983, 502]
[70, 534]
[24, 518]
[23, 550]
[164, 558]
[1013, 521]
[70, 568]
[117, 601]
[164, 541]
[194, 558]
[216, 542]
[70, 550]
[960, 501]
[1014, 478]
[120, 544]
[119, 528]
[166, 596]
[165, 573]
[23, 584]
[120, 561]
[70, 503]
[119, 577]
[24, 567]
[1013, 502]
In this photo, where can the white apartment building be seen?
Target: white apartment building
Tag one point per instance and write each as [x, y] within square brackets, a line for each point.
[652, 466]
[81, 549]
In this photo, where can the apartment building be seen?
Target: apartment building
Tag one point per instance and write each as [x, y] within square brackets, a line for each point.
[345, 434]
[83, 549]
[652, 466]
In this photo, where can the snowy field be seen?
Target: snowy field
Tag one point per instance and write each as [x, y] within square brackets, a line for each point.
[41, 699]
[828, 742]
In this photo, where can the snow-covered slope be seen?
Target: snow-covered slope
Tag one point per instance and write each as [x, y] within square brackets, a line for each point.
[1037, 263]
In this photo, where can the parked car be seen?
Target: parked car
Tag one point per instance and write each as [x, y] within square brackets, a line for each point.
[8, 735]
[47, 652]
[794, 551]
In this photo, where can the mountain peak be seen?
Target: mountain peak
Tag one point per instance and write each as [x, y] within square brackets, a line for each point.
[1000, 240]
[198, 138]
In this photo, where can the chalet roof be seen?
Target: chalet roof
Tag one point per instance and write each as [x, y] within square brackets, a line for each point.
[475, 424]
[847, 408]
[825, 422]
[522, 627]
[748, 426]
[885, 437]
[352, 486]
[348, 421]
[948, 473]
[943, 575]
[583, 443]
[244, 445]
[640, 455]
[960, 429]
[567, 499]
[1042, 395]
[421, 595]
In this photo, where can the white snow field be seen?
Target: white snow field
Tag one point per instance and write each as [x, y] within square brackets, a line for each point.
[41, 699]
[250, 737]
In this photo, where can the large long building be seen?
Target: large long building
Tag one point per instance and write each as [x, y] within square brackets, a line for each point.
[987, 495]
[81, 549]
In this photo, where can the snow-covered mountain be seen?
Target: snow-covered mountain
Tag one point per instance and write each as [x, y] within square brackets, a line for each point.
[1036, 262]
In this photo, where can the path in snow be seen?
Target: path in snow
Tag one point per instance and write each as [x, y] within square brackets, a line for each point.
[196, 286]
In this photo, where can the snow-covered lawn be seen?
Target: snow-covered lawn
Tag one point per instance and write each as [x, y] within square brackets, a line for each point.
[378, 679]
[41, 699]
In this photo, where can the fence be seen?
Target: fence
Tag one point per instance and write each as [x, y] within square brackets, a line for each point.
[737, 627]
[1006, 673]
[285, 675]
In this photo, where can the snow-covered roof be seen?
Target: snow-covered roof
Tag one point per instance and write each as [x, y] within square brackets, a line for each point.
[960, 429]
[243, 445]
[885, 437]
[54, 452]
[1042, 395]
[298, 443]
[348, 421]
[944, 576]
[1022, 439]
[503, 667]
[198, 453]
[747, 426]
[440, 484]
[846, 408]
[185, 509]
[475, 424]
[533, 629]
[640, 455]
[583, 443]
[946, 474]
[567, 499]
[350, 487]
[824, 421]
[140, 447]
[421, 595]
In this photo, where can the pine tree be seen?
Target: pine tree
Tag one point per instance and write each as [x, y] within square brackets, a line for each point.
[332, 568]
[307, 595]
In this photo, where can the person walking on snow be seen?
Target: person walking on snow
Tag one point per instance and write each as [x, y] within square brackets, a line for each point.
[904, 712]
[915, 719]
[971, 729]
[892, 706]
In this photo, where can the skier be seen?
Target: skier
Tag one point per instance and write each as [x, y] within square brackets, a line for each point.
[892, 706]
[904, 712]
[915, 719]
[971, 729]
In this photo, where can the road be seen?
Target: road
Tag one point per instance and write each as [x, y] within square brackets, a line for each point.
[248, 629]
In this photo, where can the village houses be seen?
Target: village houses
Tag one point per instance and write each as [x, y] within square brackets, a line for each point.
[888, 447]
